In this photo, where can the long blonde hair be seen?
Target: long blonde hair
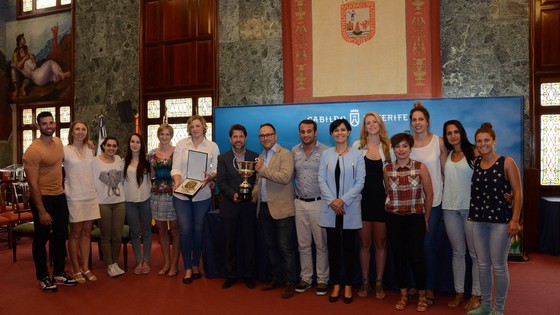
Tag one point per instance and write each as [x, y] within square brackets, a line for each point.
[385, 142]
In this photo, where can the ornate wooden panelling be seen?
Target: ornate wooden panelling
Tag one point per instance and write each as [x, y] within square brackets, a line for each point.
[178, 48]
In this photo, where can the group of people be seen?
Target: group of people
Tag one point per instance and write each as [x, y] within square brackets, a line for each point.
[401, 189]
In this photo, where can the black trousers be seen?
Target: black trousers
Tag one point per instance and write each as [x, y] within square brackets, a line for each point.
[342, 253]
[240, 221]
[406, 238]
[57, 207]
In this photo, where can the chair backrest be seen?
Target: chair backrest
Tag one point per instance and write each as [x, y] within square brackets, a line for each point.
[20, 196]
[5, 204]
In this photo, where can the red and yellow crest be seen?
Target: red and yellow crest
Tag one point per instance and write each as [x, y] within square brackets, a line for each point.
[357, 21]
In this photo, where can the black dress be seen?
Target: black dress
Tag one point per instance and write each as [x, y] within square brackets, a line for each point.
[373, 193]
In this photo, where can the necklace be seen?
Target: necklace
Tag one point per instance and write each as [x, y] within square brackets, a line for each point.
[80, 152]
[341, 153]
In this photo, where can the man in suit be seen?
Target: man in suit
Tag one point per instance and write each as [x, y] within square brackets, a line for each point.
[275, 209]
[237, 215]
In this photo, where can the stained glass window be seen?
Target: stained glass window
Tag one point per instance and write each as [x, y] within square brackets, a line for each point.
[153, 109]
[27, 5]
[205, 106]
[550, 94]
[550, 150]
[42, 4]
[27, 139]
[179, 107]
[64, 135]
[179, 132]
[152, 137]
[47, 109]
[209, 131]
[65, 114]
[27, 116]
[36, 7]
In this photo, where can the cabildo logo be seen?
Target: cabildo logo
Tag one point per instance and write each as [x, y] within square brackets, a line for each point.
[353, 118]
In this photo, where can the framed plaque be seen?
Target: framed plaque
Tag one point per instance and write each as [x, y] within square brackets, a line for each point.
[196, 171]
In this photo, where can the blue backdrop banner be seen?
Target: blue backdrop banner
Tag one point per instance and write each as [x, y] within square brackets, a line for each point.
[505, 114]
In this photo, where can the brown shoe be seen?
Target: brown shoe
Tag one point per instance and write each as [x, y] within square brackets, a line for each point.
[270, 285]
[288, 291]
[459, 297]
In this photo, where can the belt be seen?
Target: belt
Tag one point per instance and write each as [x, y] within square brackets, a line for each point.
[308, 199]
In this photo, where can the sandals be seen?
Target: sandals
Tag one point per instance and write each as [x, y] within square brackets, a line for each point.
[145, 268]
[172, 273]
[78, 276]
[430, 297]
[379, 292]
[422, 304]
[89, 275]
[138, 269]
[402, 303]
[364, 289]
[163, 271]
[457, 300]
[412, 292]
[473, 303]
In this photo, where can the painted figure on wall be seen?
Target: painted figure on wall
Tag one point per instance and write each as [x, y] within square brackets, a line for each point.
[40, 67]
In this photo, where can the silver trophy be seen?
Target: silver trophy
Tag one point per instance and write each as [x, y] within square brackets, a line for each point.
[245, 169]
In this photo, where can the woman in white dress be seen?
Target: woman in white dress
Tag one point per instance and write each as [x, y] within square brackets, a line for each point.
[80, 193]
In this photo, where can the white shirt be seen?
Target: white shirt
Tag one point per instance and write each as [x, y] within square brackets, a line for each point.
[180, 162]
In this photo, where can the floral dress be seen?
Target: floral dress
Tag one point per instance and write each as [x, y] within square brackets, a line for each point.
[162, 188]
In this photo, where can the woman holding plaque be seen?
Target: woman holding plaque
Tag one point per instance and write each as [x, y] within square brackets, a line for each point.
[161, 159]
[341, 179]
[191, 210]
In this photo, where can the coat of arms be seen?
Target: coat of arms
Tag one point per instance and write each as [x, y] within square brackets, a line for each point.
[357, 21]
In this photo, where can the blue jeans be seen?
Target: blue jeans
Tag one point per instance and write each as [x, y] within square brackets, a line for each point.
[190, 218]
[491, 243]
[432, 245]
[139, 218]
[458, 230]
[279, 239]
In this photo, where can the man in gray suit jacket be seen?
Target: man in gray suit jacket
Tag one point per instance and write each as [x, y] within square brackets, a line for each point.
[238, 216]
[276, 210]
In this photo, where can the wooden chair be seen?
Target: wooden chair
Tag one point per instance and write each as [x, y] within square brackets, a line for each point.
[25, 226]
[14, 207]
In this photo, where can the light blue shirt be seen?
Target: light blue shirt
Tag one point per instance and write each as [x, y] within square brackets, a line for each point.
[307, 170]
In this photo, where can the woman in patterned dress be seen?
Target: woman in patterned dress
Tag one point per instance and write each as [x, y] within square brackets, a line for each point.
[163, 212]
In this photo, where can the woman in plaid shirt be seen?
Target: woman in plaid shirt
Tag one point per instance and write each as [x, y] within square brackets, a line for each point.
[409, 202]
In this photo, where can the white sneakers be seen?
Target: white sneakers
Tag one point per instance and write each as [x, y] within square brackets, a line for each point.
[114, 270]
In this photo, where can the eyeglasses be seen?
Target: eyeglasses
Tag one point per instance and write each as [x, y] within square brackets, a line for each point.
[266, 135]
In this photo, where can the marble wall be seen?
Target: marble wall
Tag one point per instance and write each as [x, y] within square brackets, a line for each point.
[485, 51]
[106, 63]
[250, 52]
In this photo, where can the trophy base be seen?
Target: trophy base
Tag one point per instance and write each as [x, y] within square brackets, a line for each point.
[244, 194]
[244, 197]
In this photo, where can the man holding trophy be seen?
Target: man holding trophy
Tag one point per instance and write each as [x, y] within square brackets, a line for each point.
[236, 179]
